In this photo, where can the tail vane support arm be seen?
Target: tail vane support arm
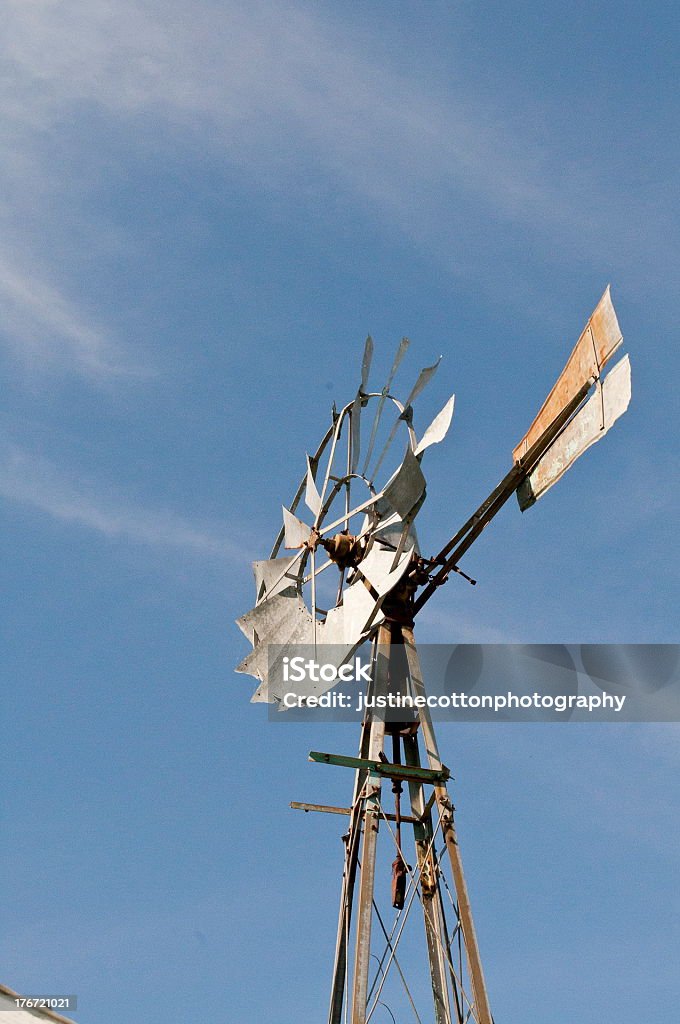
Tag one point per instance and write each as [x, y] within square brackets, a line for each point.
[563, 429]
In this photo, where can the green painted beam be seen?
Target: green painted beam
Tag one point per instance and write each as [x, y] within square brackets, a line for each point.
[390, 771]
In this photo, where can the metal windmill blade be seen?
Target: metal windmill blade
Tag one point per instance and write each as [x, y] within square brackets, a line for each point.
[401, 352]
[568, 423]
[424, 378]
[363, 525]
[355, 415]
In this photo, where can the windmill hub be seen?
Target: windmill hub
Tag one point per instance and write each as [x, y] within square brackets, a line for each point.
[344, 549]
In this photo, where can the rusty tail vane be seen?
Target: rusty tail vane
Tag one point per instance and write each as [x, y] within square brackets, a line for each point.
[567, 424]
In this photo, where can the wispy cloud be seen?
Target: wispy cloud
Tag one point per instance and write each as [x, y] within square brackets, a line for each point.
[271, 87]
[268, 79]
[46, 330]
[29, 480]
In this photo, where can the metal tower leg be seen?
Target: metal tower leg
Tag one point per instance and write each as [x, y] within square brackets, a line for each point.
[390, 673]
[352, 838]
[482, 1011]
[431, 897]
[371, 809]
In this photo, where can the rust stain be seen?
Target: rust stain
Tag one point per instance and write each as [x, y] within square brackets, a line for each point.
[598, 342]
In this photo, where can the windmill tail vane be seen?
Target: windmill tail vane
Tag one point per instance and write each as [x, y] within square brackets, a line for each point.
[347, 569]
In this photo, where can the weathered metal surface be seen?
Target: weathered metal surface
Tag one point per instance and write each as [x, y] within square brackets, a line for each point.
[355, 434]
[255, 663]
[334, 630]
[455, 548]
[312, 496]
[439, 427]
[564, 428]
[296, 533]
[589, 425]
[377, 568]
[271, 575]
[344, 549]
[406, 486]
[401, 352]
[366, 361]
[389, 527]
[282, 619]
[301, 486]
[482, 1010]
[360, 612]
[273, 620]
[355, 415]
[348, 884]
[246, 623]
[371, 810]
[399, 877]
[424, 378]
[403, 772]
[327, 809]
[598, 342]
[435, 931]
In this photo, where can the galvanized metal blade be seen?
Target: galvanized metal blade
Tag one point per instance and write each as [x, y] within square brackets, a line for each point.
[355, 433]
[296, 533]
[389, 527]
[366, 362]
[361, 612]
[401, 352]
[424, 378]
[589, 425]
[283, 620]
[438, 429]
[301, 487]
[274, 620]
[355, 413]
[332, 631]
[272, 575]
[406, 486]
[378, 570]
[340, 636]
[334, 655]
[255, 663]
[312, 496]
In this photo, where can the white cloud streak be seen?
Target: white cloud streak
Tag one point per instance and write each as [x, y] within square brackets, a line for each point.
[263, 74]
[46, 330]
[28, 480]
[277, 89]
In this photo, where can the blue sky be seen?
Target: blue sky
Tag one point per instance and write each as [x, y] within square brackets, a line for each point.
[204, 209]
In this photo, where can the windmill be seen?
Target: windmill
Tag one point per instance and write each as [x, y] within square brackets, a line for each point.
[351, 572]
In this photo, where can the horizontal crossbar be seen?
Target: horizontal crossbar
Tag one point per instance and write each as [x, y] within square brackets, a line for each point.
[297, 806]
[403, 772]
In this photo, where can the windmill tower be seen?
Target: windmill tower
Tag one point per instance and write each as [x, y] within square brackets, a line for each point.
[355, 575]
